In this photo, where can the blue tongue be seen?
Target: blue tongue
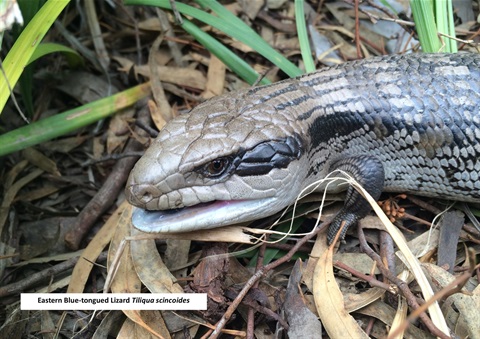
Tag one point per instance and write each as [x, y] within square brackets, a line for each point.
[149, 220]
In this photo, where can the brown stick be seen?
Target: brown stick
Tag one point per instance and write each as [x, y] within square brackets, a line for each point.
[249, 284]
[104, 198]
[22, 285]
[402, 286]
[368, 278]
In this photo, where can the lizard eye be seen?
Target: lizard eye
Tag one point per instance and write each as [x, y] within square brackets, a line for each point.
[216, 167]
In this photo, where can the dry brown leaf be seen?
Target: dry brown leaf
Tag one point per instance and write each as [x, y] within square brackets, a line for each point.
[468, 306]
[287, 43]
[386, 314]
[163, 56]
[150, 24]
[184, 77]
[238, 272]
[422, 244]
[244, 48]
[268, 34]
[340, 39]
[15, 323]
[82, 269]
[58, 257]
[355, 301]
[163, 106]
[65, 145]
[87, 87]
[250, 8]
[10, 193]
[47, 325]
[201, 58]
[215, 78]
[125, 64]
[98, 148]
[235, 234]
[400, 317]
[101, 52]
[319, 247]
[141, 325]
[156, 114]
[50, 230]
[40, 160]
[302, 322]
[118, 129]
[124, 279]
[275, 4]
[329, 301]
[342, 12]
[154, 323]
[132, 330]
[150, 267]
[38, 193]
[177, 256]
[359, 261]
[10, 177]
[57, 285]
[410, 260]
[372, 222]
[110, 322]
[127, 331]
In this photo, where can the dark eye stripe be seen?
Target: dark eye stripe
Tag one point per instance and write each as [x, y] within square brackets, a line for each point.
[268, 155]
[259, 160]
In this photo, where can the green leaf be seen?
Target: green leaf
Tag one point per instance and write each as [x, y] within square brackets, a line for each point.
[236, 64]
[424, 18]
[229, 24]
[21, 52]
[239, 30]
[73, 58]
[303, 36]
[60, 124]
[445, 24]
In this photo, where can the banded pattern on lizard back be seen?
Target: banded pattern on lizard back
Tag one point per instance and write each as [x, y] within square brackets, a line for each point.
[408, 123]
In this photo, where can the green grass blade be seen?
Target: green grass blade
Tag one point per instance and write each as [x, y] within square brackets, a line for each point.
[233, 61]
[424, 18]
[303, 36]
[225, 25]
[236, 64]
[239, 30]
[73, 58]
[18, 57]
[228, 16]
[451, 27]
[60, 124]
[445, 24]
[25, 84]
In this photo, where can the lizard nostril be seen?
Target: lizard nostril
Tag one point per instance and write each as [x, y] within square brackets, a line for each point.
[146, 196]
[141, 195]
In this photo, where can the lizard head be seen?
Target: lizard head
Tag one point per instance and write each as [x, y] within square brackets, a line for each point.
[225, 162]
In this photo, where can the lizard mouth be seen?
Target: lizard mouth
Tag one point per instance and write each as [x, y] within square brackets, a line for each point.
[198, 217]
